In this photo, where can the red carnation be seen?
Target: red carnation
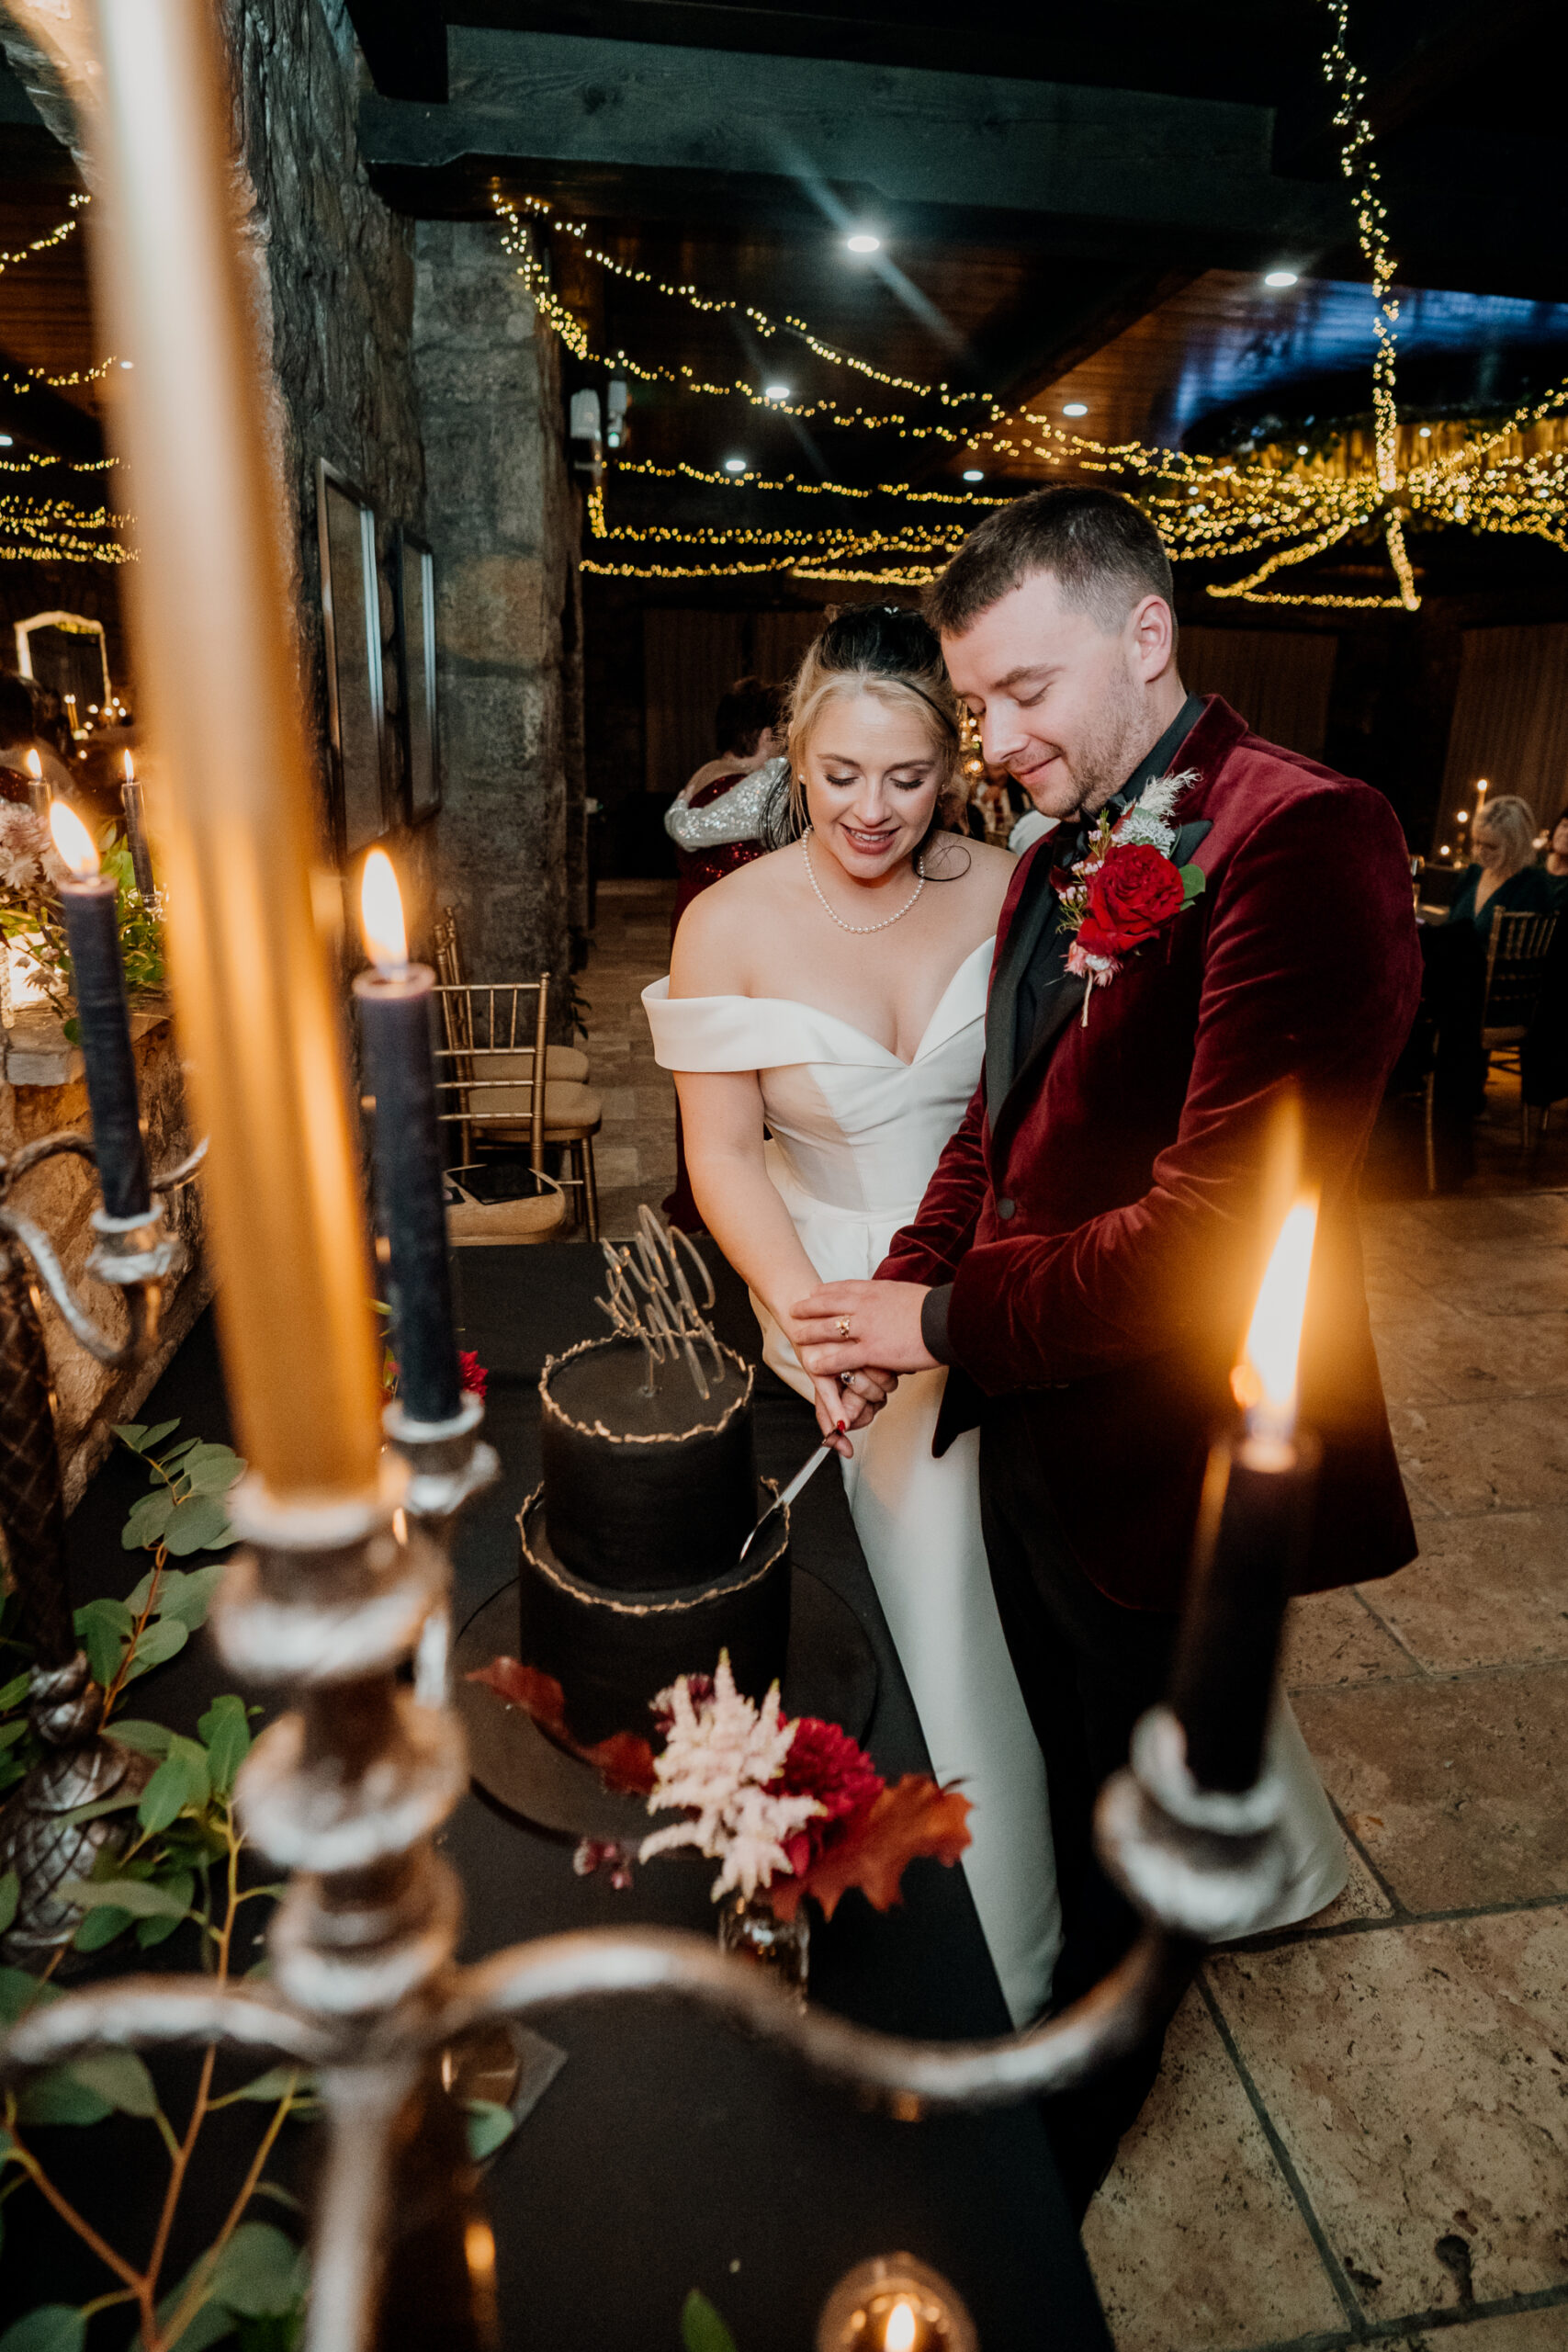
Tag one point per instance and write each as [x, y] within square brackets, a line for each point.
[472, 1372]
[825, 1763]
[1134, 891]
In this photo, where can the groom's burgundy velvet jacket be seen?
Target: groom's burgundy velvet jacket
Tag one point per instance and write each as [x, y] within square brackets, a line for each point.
[1102, 1225]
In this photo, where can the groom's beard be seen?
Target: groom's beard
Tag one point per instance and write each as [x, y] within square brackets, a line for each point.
[1109, 747]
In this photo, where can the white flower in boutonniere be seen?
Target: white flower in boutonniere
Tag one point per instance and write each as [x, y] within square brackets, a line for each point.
[1126, 889]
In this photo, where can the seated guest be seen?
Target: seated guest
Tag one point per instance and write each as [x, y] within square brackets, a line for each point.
[1555, 864]
[1454, 984]
[1505, 874]
[718, 822]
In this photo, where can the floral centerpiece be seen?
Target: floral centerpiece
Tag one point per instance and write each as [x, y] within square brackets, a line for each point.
[32, 920]
[788, 1806]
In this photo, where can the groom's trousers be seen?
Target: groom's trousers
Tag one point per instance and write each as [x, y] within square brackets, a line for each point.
[1087, 1668]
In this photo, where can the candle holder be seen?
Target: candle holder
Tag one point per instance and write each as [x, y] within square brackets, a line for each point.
[893, 2303]
[79, 1765]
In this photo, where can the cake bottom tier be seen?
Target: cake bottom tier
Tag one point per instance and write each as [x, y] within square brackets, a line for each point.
[613, 1652]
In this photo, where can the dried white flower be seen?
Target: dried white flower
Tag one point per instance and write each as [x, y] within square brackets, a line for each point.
[717, 1759]
[1149, 819]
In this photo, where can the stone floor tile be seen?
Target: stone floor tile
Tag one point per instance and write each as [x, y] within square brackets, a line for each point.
[1488, 1590]
[1331, 1638]
[1444, 1353]
[1195, 2179]
[1543, 2330]
[1415, 2074]
[1362, 1898]
[1507, 1278]
[1454, 1786]
[1504, 1454]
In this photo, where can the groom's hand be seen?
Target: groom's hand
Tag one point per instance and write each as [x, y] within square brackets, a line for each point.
[884, 1332]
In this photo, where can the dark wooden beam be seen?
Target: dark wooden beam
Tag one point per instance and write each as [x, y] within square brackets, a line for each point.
[912, 143]
[404, 44]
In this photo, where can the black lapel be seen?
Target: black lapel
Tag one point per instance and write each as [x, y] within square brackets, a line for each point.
[1039, 907]
[1066, 999]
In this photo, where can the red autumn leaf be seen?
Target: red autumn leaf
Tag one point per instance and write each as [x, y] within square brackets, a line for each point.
[876, 1846]
[624, 1762]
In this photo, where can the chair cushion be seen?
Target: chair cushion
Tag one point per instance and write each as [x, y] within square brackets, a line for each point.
[568, 1109]
[472, 1222]
[571, 1110]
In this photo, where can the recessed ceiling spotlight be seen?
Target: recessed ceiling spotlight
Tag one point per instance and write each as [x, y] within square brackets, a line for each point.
[735, 465]
[775, 391]
[127, 363]
[1076, 408]
[1300, 448]
[1425, 434]
[863, 240]
[973, 473]
[6, 442]
[1279, 278]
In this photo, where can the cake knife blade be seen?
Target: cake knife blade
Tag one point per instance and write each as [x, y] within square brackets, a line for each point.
[801, 1479]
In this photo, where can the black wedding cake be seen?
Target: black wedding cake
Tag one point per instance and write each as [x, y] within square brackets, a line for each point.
[631, 1545]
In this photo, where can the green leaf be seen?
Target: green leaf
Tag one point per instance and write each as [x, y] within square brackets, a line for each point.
[53, 2327]
[181, 1779]
[1194, 882]
[146, 1521]
[148, 1739]
[226, 1729]
[137, 1599]
[273, 2085]
[139, 1897]
[99, 1807]
[19, 1992]
[14, 1693]
[154, 1931]
[260, 2273]
[212, 1469]
[200, 1525]
[121, 2077]
[702, 2329]
[102, 1628]
[11, 1733]
[140, 1437]
[98, 1928]
[185, 1594]
[155, 1644]
[58, 2098]
[11, 1895]
[489, 2126]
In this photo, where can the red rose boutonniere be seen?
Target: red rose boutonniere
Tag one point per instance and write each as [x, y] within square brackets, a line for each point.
[1126, 889]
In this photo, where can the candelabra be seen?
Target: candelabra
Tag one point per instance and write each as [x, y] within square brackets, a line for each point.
[81, 1765]
[347, 1789]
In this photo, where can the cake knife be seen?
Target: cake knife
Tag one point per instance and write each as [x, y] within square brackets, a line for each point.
[801, 1479]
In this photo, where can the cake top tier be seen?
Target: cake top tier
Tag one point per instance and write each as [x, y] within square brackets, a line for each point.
[598, 1388]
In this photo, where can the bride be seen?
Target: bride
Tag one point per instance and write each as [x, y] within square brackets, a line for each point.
[823, 1018]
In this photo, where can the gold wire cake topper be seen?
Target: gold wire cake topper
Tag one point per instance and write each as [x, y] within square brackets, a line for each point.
[651, 1300]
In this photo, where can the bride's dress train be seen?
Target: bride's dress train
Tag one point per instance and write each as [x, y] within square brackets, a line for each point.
[855, 1134]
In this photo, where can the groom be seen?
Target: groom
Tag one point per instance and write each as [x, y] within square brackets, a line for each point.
[1089, 1243]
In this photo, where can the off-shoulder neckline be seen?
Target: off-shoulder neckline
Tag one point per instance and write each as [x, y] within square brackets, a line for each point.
[818, 1013]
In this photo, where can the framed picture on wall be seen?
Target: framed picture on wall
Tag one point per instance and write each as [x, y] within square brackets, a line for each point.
[413, 588]
[356, 709]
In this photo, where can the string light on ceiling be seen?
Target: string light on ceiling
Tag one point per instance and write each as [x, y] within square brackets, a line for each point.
[1285, 504]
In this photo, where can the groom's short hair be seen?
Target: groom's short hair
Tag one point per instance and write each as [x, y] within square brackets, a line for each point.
[1102, 552]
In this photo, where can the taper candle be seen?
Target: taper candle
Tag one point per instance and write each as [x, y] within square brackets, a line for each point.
[37, 788]
[395, 1004]
[103, 1017]
[1252, 1529]
[136, 833]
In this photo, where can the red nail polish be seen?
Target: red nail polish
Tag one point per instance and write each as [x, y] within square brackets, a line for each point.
[843, 1427]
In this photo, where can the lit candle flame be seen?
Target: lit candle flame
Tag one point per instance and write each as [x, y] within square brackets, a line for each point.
[381, 911]
[129, 769]
[73, 842]
[1265, 1380]
[899, 2336]
[35, 767]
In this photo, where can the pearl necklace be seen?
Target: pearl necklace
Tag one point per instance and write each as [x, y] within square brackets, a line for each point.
[861, 930]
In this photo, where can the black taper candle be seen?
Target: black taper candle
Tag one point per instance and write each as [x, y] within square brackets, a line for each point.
[1252, 1529]
[400, 1069]
[104, 1020]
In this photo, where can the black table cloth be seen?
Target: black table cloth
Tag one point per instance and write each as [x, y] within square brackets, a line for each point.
[670, 2152]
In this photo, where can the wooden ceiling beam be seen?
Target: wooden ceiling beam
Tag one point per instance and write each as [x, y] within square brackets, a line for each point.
[909, 141]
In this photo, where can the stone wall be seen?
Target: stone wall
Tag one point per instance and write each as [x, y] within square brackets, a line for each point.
[42, 1093]
[503, 517]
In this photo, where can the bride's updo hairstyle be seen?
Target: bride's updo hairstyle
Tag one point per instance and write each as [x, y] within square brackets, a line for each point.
[895, 654]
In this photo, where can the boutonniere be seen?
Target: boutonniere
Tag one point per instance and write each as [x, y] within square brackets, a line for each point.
[1126, 888]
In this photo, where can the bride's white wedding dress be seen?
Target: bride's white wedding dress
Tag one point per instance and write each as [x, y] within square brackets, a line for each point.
[855, 1134]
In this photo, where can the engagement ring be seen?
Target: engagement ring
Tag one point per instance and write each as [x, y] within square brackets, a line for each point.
[843, 1327]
